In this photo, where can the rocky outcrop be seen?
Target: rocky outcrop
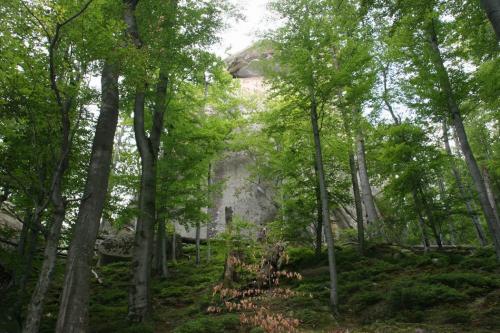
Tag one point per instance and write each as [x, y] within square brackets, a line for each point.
[10, 226]
[250, 62]
[115, 245]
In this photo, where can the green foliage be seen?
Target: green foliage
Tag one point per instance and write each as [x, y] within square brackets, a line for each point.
[408, 294]
[211, 324]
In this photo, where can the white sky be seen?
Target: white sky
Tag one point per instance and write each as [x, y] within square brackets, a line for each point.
[242, 34]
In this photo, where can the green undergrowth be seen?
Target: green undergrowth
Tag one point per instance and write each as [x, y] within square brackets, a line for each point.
[392, 287]
[388, 290]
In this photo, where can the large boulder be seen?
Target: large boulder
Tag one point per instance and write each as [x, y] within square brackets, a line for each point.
[10, 226]
[115, 245]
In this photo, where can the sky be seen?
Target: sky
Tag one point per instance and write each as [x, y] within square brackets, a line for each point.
[242, 34]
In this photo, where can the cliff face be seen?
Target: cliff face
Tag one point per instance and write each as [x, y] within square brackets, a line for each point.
[250, 199]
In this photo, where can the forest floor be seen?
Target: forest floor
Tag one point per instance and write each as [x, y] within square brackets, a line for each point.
[388, 290]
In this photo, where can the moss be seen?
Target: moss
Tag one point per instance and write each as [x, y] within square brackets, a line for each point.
[210, 324]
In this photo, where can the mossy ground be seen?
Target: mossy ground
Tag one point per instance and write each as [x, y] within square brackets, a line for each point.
[388, 290]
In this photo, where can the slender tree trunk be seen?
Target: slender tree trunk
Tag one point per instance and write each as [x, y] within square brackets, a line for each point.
[444, 197]
[231, 255]
[490, 192]
[492, 9]
[463, 193]
[209, 211]
[197, 241]
[73, 309]
[174, 245]
[324, 206]
[35, 307]
[421, 222]
[366, 190]
[319, 213]
[357, 204]
[386, 99]
[355, 185]
[161, 250]
[493, 223]
[430, 217]
[139, 296]
[319, 222]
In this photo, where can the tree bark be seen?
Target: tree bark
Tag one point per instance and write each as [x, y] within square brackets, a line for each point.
[231, 255]
[161, 250]
[442, 193]
[355, 184]
[386, 99]
[463, 193]
[139, 296]
[35, 307]
[490, 192]
[492, 9]
[319, 219]
[421, 221]
[209, 211]
[197, 241]
[430, 217]
[174, 245]
[366, 190]
[324, 205]
[73, 309]
[454, 112]
[357, 204]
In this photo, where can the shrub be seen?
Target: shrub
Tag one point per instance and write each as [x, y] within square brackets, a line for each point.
[363, 299]
[414, 294]
[210, 324]
[455, 316]
[462, 279]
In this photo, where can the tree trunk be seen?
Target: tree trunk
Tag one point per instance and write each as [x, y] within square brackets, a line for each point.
[73, 309]
[35, 307]
[442, 193]
[140, 291]
[209, 211]
[421, 222]
[493, 223]
[492, 9]
[355, 184]
[139, 297]
[490, 192]
[386, 99]
[357, 204]
[174, 246]
[319, 220]
[463, 193]
[324, 206]
[198, 230]
[231, 255]
[430, 217]
[161, 250]
[366, 190]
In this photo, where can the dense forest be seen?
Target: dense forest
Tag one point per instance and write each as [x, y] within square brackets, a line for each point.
[341, 174]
